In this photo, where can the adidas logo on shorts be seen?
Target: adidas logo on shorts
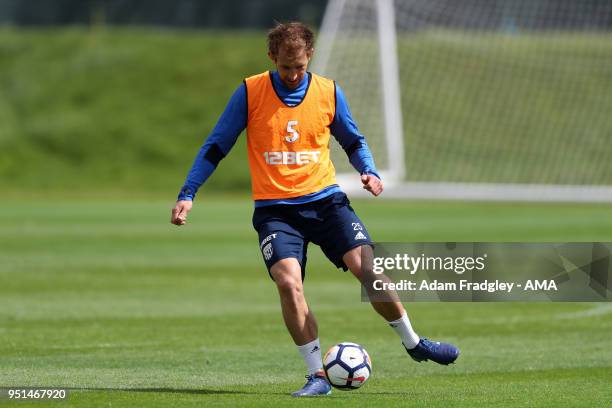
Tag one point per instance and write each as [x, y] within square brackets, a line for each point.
[360, 236]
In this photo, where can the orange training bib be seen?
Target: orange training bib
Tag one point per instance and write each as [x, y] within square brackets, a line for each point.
[288, 146]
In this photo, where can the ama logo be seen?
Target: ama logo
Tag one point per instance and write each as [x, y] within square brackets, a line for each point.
[536, 285]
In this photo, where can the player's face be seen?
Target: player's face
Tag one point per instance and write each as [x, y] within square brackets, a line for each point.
[291, 65]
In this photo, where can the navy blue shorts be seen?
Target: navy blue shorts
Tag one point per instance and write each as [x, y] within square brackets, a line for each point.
[331, 223]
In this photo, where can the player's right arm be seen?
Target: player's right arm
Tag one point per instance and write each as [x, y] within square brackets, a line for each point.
[180, 211]
[232, 122]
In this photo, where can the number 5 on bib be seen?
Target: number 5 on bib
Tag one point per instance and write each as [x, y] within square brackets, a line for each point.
[293, 134]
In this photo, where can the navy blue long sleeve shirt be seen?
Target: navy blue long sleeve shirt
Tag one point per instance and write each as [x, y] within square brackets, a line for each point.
[233, 121]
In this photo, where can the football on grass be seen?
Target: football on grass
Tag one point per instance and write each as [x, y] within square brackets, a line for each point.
[347, 366]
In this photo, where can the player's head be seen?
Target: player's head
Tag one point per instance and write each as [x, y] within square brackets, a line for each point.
[290, 47]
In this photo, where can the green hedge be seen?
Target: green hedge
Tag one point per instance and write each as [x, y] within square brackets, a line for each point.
[118, 108]
[129, 108]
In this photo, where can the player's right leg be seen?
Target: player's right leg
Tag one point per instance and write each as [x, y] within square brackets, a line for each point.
[299, 319]
[283, 247]
[301, 324]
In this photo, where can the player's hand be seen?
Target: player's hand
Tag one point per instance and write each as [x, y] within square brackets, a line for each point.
[180, 211]
[372, 183]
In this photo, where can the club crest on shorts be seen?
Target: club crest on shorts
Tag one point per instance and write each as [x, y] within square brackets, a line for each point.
[266, 240]
[267, 251]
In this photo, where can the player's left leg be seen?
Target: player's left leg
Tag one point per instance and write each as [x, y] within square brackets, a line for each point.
[344, 239]
[358, 261]
[386, 303]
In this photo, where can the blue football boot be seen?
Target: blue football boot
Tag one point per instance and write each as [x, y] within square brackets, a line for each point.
[441, 353]
[316, 384]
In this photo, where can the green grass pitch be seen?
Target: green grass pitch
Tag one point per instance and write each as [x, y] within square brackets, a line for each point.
[105, 297]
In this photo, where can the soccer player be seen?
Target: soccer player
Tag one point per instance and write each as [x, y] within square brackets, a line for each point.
[289, 115]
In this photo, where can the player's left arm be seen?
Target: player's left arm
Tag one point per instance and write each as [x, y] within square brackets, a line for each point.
[354, 144]
[372, 183]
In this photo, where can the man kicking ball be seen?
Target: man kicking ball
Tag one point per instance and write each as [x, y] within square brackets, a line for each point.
[289, 115]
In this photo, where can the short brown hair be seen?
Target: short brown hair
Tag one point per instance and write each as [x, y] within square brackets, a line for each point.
[294, 35]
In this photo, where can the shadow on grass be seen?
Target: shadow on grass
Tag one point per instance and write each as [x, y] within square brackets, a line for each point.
[398, 393]
[202, 391]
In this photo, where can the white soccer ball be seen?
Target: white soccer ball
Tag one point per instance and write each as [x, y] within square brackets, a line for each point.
[347, 366]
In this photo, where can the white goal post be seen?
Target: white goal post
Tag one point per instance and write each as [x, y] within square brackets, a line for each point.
[477, 99]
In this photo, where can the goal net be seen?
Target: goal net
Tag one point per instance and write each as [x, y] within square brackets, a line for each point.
[477, 99]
